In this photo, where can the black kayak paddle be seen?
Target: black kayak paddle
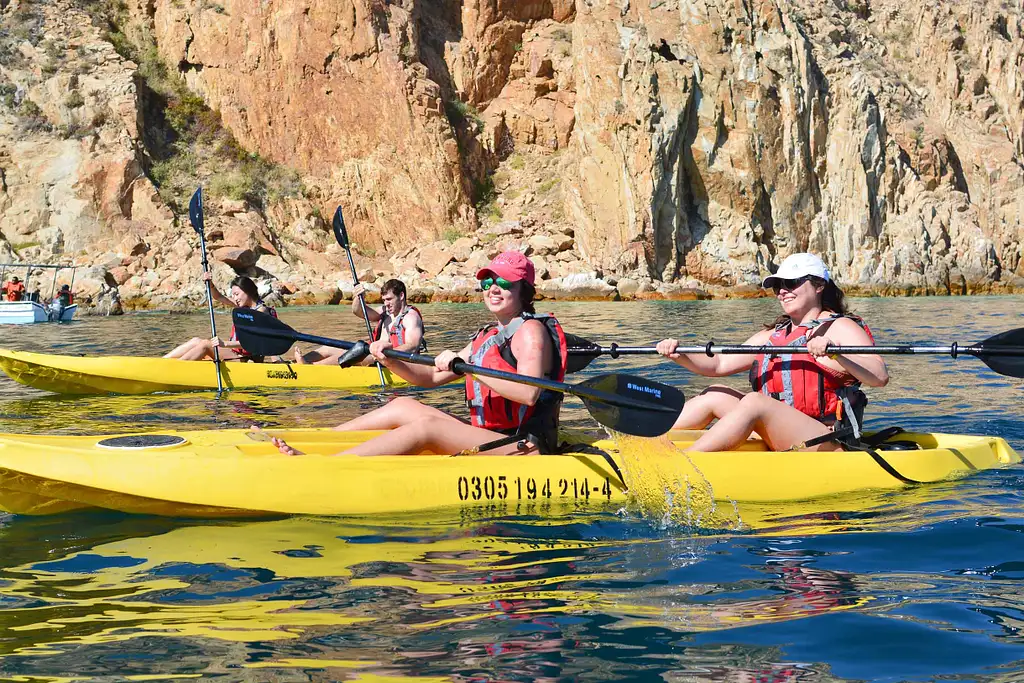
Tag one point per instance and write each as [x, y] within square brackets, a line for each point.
[626, 403]
[195, 217]
[340, 234]
[1003, 353]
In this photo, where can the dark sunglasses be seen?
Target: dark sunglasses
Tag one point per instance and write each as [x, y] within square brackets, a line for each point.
[500, 281]
[789, 284]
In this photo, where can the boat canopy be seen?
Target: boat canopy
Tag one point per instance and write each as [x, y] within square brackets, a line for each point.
[29, 267]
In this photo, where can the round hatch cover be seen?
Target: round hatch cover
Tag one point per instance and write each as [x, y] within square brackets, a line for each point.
[139, 441]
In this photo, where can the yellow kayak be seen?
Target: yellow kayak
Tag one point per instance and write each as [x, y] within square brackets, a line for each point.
[137, 375]
[235, 473]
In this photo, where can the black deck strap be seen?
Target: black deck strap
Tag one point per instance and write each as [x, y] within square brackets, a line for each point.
[590, 449]
[497, 443]
[830, 437]
[879, 460]
[138, 441]
[880, 437]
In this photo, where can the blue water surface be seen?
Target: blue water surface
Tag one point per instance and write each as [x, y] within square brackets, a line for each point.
[917, 585]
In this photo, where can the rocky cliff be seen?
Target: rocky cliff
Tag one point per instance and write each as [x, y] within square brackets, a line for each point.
[656, 148]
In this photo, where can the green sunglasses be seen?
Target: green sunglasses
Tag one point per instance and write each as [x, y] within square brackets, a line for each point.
[500, 281]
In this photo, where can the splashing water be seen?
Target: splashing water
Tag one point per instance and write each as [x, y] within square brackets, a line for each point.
[666, 486]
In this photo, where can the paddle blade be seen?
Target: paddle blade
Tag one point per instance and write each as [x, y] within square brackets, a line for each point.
[1004, 352]
[261, 334]
[581, 352]
[630, 420]
[195, 211]
[340, 233]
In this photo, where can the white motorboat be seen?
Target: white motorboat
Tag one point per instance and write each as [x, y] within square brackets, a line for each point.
[28, 308]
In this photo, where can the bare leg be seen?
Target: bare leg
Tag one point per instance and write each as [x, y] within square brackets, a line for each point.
[182, 349]
[325, 355]
[780, 425]
[414, 428]
[711, 404]
[444, 434]
[204, 351]
[200, 351]
[397, 413]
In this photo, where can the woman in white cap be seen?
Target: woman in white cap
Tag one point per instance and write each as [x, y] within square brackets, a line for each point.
[506, 418]
[796, 397]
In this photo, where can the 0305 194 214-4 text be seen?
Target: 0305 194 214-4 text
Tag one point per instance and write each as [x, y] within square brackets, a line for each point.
[502, 487]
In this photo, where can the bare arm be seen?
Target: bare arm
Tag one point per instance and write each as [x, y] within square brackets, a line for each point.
[420, 375]
[358, 302]
[719, 365]
[220, 298]
[869, 369]
[532, 347]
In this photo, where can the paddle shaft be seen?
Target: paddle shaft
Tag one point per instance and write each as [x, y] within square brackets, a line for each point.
[715, 349]
[362, 304]
[209, 291]
[463, 368]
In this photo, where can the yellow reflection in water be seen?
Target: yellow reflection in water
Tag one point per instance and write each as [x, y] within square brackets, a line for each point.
[117, 603]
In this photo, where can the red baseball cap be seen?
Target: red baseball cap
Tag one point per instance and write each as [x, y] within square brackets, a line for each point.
[511, 265]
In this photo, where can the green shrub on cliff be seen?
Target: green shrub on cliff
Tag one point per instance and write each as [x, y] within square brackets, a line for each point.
[186, 139]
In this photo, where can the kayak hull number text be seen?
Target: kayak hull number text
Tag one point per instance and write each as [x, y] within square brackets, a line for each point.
[502, 487]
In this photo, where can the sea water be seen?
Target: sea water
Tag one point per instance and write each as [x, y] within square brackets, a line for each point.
[923, 584]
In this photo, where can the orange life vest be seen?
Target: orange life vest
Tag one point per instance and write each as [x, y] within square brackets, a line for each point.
[396, 332]
[492, 349]
[800, 381]
[14, 290]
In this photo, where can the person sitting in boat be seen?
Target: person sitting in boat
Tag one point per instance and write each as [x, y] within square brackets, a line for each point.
[243, 294]
[506, 418]
[402, 323]
[798, 397]
[15, 289]
[60, 302]
[64, 297]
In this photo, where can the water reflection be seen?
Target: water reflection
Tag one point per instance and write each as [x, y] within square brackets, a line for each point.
[504, 599]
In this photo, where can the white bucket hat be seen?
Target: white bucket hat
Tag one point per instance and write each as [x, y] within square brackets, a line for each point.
[797, 266]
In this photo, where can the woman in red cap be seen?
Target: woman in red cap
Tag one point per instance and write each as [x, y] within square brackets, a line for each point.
[506, 418]
[795, 397]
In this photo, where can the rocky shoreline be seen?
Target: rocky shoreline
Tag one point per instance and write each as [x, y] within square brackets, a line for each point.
[436, 272]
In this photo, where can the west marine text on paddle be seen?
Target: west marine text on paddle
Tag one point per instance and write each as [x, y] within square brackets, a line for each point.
[654, 391]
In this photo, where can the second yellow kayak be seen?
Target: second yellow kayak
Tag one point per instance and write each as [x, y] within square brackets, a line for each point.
[138, 375]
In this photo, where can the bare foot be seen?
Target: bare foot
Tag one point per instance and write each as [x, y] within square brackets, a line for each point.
[283, 447]
[299, 358]
[257, 434]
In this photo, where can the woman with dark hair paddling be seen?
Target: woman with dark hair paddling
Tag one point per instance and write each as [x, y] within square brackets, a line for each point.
[795, 397]
[506, 417]
[243, 294]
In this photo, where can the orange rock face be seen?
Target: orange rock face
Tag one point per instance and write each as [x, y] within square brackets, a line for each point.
[668, 146]
[328, 88]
